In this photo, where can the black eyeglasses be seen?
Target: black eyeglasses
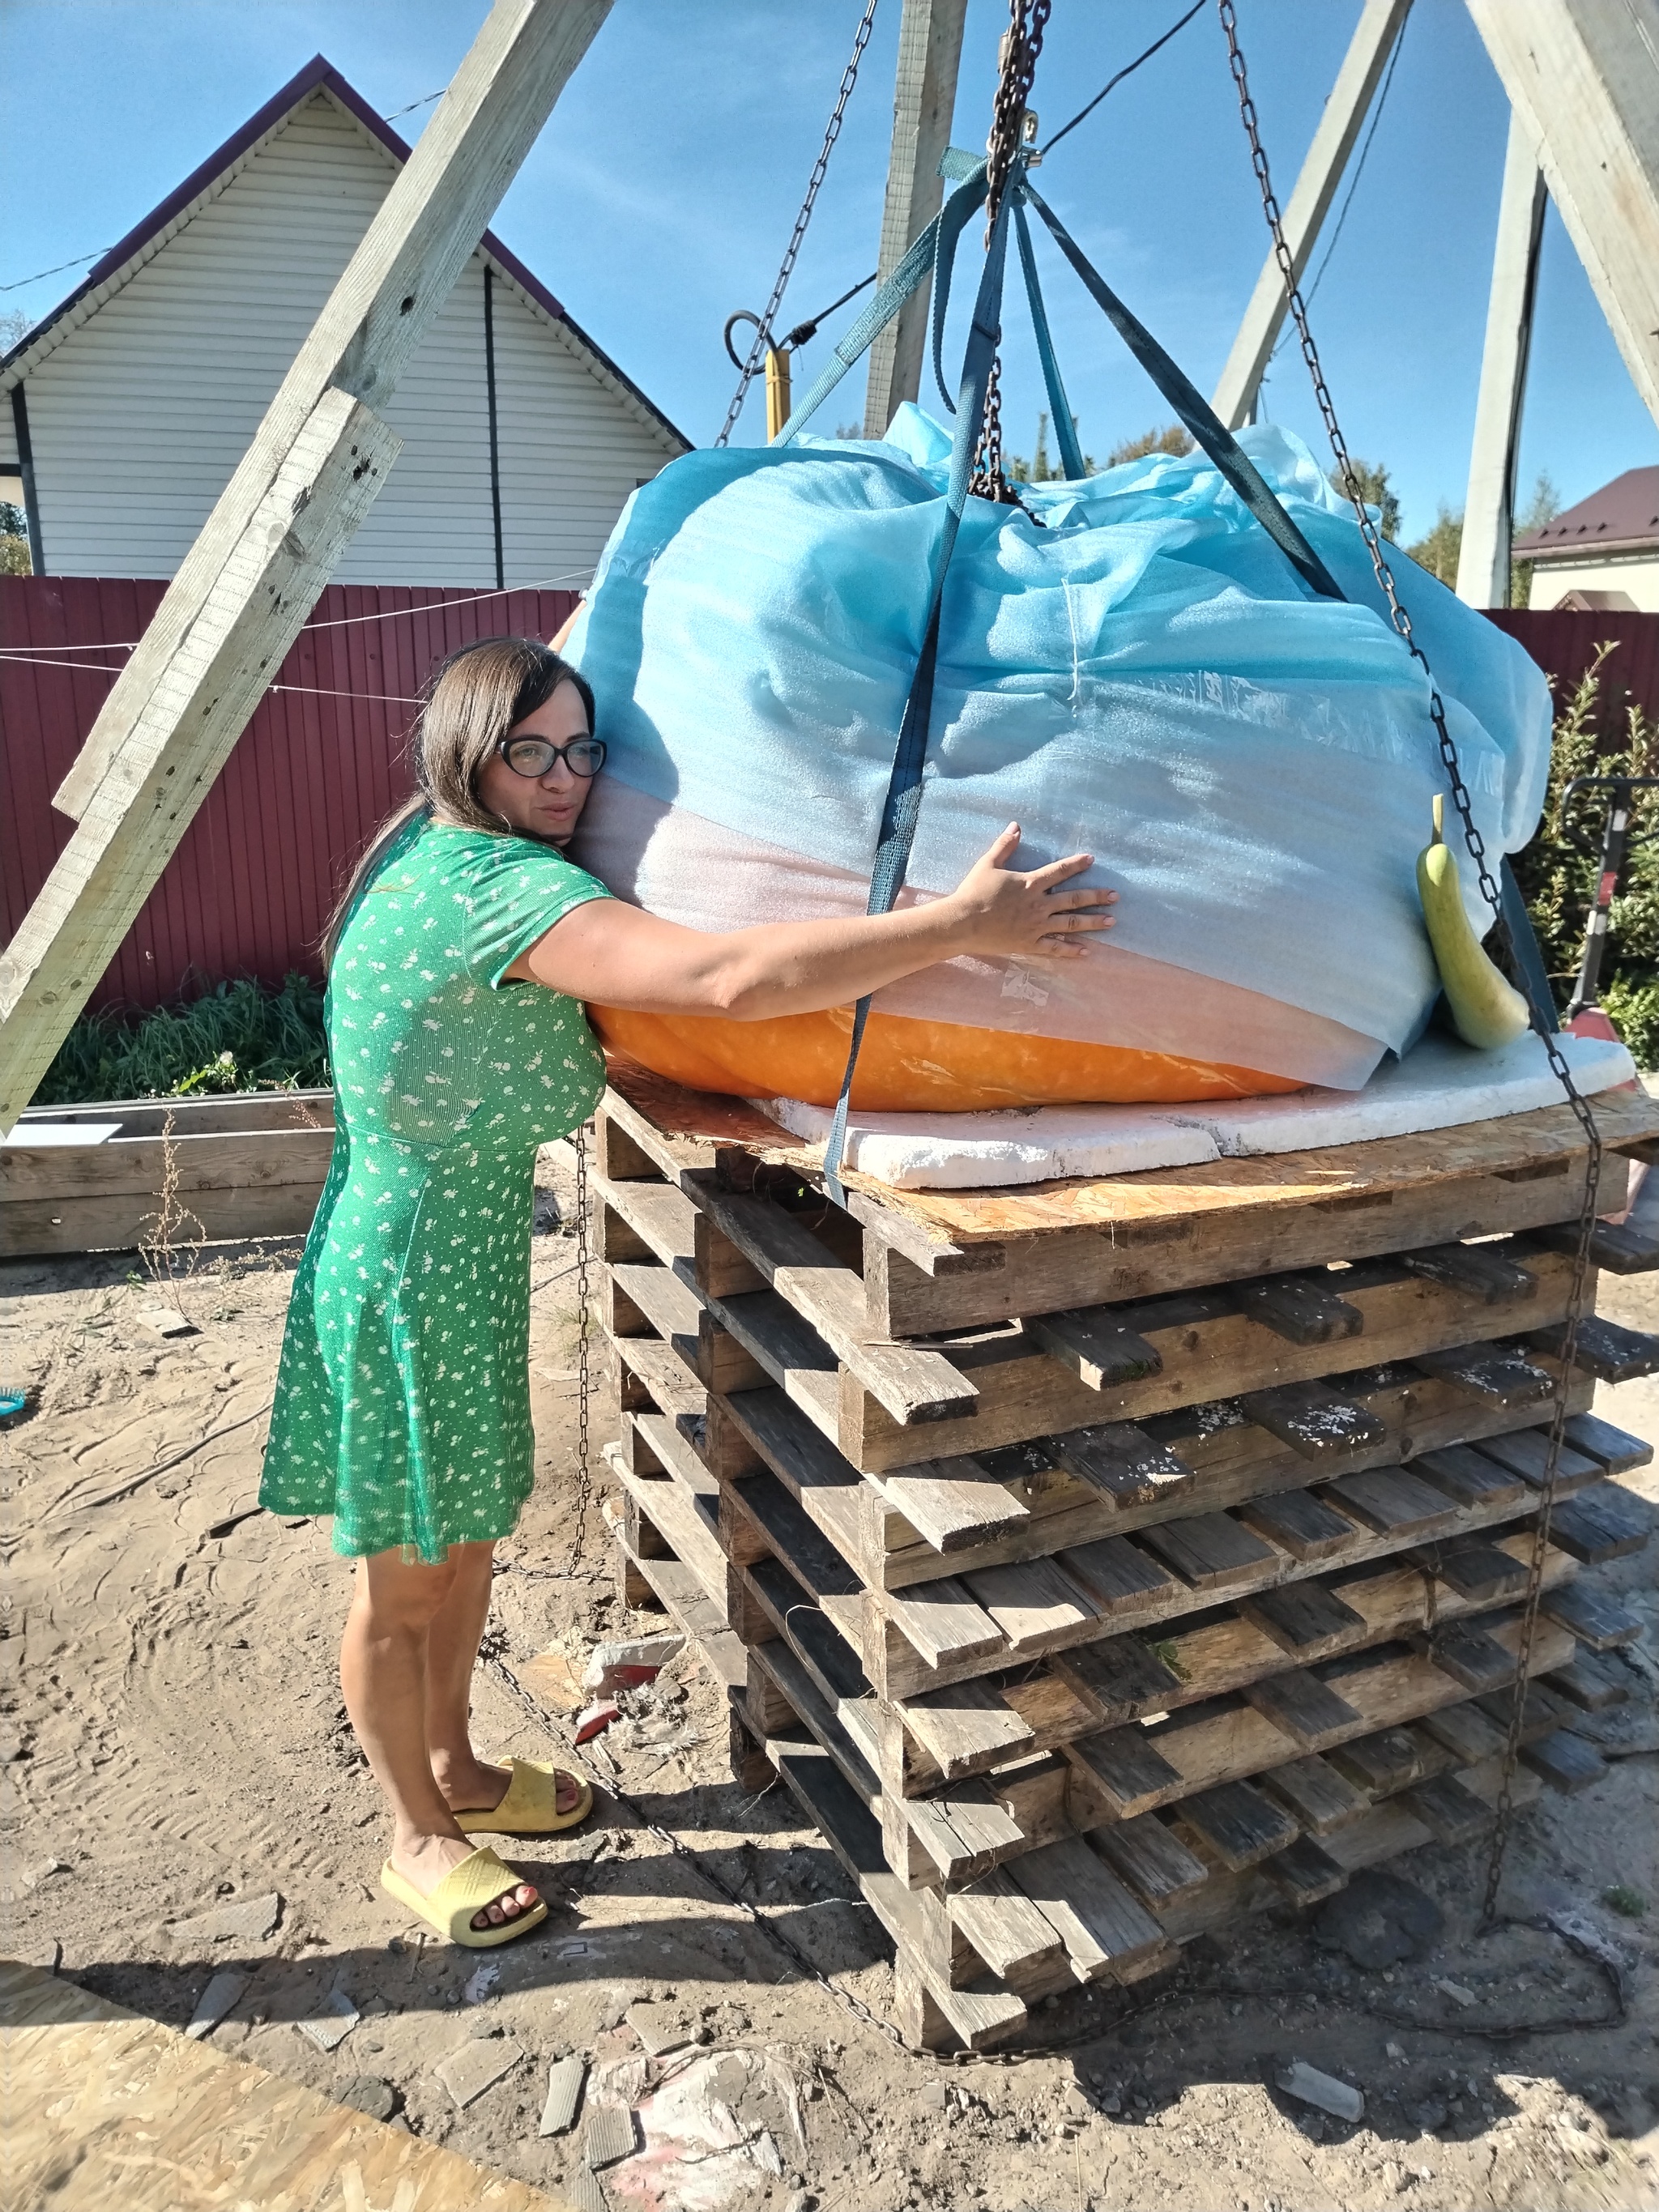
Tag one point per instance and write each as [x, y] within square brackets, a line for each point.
[534, 756]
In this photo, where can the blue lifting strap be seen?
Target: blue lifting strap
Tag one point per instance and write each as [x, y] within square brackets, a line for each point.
[903, 800]
[1070, 453]
[935, 250]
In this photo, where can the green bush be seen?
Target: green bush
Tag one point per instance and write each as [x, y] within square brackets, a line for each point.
[235, 1036]
[1558, 871]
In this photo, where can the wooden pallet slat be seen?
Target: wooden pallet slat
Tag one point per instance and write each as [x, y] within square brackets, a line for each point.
[1469, 1476]
[1491, 1274]
[1302, 1524]
[1525, 1453]
[1308, 1710]
[1304, 1873]
[1452, 1813]
[1121, 1461]
[1316, 1794]
[1395, 1502]
[1605, 1349]
[1314, 1420]
[1600, 1524]
[1617, 1451]
[1595, 1619]
[1211, 1550]
[1566, 1762]
[1302, 1309]
[1149, 1855]
[1589, 1682]
[1239, 1824]
[1106, 1930]
[1491, 1372]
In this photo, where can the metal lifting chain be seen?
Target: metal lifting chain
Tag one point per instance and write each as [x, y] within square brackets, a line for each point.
[1017, 61]
[584, 1379]
[752, 367]
[1493, 896]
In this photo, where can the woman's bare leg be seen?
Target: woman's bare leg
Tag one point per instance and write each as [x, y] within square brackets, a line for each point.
[467, 1783]
[384, 1672]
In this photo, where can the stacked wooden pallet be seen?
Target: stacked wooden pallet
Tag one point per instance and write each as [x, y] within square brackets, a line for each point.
[1097, 1562]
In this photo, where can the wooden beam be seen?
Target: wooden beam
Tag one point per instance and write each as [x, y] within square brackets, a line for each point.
[1483, 562]
[1373, 42]
[924, 98]
[270, 576]
[1582, 78]
[270, 545]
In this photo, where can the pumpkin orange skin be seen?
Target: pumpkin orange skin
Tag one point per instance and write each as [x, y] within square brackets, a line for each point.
[910, 1067]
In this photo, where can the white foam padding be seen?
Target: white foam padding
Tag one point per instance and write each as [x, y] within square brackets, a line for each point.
[1028, 1143]
[1440, 1084]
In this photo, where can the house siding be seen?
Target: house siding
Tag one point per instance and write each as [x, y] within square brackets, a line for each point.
[140, 415]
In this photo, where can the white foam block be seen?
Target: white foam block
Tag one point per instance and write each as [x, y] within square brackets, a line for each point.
[974, 1151]
[1440, 1084]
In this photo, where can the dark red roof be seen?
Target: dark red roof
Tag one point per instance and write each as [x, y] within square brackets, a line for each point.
[1621, 517]
[318, 71]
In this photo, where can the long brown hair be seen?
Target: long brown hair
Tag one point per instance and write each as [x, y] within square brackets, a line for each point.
[472, 699]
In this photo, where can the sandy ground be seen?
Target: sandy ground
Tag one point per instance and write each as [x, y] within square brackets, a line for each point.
[176, 1746]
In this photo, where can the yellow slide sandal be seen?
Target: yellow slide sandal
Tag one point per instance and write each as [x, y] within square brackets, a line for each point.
[479, 1879]
[530, 1806]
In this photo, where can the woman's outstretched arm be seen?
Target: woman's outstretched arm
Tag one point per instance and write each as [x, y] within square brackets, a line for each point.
[613, 955]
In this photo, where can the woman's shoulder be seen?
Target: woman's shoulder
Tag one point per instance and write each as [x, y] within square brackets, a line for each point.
[479, 863]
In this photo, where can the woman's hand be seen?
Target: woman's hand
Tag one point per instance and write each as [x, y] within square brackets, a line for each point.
[1002, 910]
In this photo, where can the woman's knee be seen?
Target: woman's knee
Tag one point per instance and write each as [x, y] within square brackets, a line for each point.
[395, 1594]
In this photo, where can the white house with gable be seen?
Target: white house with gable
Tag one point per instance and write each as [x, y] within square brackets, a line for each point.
[124, 414]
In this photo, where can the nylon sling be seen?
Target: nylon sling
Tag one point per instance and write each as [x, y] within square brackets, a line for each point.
[935, 249]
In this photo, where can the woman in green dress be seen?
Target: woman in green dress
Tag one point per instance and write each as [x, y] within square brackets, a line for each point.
[459, 965]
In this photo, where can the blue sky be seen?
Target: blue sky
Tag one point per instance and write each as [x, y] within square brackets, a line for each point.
[661, 195]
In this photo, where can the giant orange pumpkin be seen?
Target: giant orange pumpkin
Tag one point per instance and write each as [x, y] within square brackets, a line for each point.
[908, 1066]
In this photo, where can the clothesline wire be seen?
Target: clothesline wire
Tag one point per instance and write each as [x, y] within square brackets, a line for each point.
[335, 621]
[312, 690]
[58, 268]
[1129, 70]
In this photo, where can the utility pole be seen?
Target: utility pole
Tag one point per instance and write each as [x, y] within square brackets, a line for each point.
[1483, 560]
[923, 101]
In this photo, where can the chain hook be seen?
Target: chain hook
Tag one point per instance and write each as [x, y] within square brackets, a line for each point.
[1013, 130]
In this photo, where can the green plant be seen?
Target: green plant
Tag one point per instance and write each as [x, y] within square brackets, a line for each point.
[1629, 1904]
[1558, 871]
[232, 1036]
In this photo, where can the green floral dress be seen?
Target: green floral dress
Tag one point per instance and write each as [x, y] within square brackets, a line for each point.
[402, 1396]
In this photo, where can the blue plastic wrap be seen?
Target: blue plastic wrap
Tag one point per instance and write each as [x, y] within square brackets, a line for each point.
[1144, 678]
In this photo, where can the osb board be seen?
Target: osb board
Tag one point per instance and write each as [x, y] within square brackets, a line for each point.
[110, 2110]
[1508, 1146]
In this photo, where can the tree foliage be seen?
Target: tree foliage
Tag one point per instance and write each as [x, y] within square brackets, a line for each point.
[1559, 871]
[1372, 479]
[1171, 439]
[14, 540]
[1439, 550]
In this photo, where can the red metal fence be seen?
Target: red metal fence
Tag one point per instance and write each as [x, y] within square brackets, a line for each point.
[258, 871]
[1565, 645]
